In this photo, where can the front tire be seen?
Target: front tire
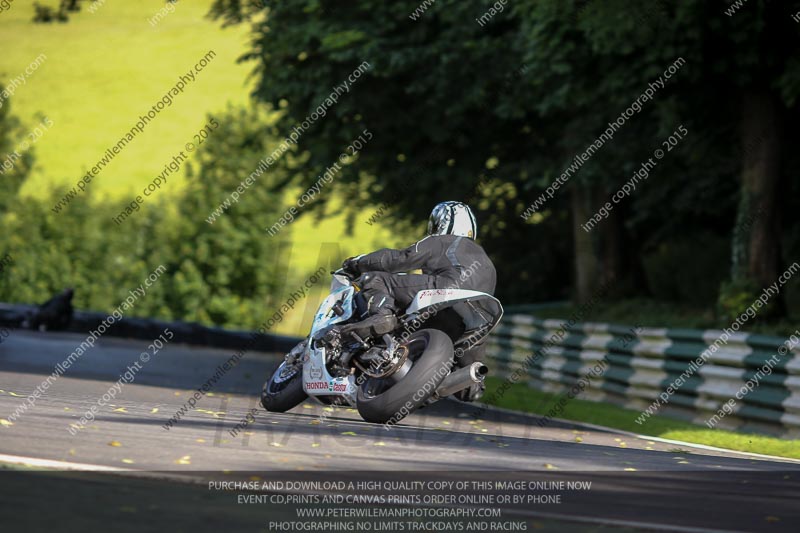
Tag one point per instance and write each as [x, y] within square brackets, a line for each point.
[385, 401]
[284, 389]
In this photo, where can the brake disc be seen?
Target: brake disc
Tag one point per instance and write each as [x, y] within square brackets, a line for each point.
[387, 366]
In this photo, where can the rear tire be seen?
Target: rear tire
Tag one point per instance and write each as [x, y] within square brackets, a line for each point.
[284, 389]
[383, 401]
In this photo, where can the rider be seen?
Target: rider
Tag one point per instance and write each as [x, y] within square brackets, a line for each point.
[448, 256]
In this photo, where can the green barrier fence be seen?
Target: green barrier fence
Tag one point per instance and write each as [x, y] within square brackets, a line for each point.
[687, 374]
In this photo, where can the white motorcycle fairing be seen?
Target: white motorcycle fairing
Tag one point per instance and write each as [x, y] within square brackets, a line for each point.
[475, 308]
[433, 297]
[317, 381]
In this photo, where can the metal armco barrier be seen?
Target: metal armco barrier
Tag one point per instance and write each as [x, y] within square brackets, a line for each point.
[644, 362]
[12, 316]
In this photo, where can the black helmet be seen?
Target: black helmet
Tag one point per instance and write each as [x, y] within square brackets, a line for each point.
[453, 218]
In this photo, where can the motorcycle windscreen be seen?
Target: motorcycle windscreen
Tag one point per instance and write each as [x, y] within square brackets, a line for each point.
[339, 282]
[326, 316]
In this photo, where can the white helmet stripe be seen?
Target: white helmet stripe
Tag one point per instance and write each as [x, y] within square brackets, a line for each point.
[453, 218]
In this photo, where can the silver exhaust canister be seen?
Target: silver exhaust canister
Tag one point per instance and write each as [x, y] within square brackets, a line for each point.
[462, 378]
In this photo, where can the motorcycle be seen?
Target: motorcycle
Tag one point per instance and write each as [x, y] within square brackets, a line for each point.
[389, 376]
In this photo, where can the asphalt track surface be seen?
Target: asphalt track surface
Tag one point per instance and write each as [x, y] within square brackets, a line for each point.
[126, 471]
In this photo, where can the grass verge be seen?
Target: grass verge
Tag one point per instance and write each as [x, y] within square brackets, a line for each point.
[521, 398]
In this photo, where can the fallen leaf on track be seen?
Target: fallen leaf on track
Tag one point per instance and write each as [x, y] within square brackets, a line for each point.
[215, 414]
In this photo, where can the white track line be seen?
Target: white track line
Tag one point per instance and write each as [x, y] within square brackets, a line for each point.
[84, 467]
[63, 465]
[412, 427]
[647, 437]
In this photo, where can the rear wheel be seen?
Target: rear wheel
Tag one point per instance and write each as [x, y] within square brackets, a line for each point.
[390, 399]
[284, 389]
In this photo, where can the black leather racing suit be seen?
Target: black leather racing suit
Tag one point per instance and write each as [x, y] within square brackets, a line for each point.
[446, 261]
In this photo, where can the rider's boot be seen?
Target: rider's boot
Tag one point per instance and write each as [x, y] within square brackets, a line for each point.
[375, 325]
[381, 322]
[379, 309]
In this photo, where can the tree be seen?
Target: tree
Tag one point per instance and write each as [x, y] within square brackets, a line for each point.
[226, 271]
[15, 161]
[424, 98]
[450, 100]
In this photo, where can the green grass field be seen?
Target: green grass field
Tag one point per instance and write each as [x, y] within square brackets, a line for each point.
[104, 69]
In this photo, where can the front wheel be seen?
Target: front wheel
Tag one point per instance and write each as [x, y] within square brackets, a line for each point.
[284, 389]
[388, 400]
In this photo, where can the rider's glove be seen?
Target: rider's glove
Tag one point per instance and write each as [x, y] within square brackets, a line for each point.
[350, 266]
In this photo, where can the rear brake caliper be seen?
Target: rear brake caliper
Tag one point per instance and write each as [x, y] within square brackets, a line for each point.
[383, 362]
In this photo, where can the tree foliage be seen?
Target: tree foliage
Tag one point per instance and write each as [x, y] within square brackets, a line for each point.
[223, 273]
[454, 103]
[15, 162]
